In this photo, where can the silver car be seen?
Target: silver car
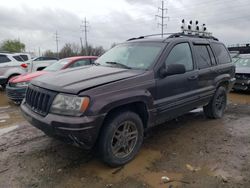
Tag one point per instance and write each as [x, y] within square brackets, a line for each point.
[10, 66]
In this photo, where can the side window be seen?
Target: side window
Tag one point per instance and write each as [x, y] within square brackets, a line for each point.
[4, 59]
[49, 58]
[203, 57]
[38, 59]
[181, 54]
[80, 63]
[24, 57]
[221, 53]
[211, 55]
[18, 58]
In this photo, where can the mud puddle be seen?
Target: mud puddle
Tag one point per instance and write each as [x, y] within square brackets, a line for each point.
[240, 97]
[9, 112]
[7, 129]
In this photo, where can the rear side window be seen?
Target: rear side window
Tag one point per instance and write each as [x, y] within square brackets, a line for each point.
[203, 57]
[181, 54]
[24, 57]
[221, 53]
[18, 58]
[4, 59]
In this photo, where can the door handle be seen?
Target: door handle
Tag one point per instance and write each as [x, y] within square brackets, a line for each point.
[194, 77]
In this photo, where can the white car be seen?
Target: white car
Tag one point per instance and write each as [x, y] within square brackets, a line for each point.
[10, 65]
[39, 63]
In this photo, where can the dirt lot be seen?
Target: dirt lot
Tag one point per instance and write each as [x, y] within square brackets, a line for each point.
[191, 150]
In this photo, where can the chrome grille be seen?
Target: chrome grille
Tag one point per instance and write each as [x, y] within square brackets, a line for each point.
[39, 100]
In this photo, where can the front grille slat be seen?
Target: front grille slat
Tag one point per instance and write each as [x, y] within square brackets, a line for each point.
[39, 100]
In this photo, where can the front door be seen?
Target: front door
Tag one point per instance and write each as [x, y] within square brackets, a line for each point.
[177, 93]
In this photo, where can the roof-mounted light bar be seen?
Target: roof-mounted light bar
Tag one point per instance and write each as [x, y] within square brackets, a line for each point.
[193, 28]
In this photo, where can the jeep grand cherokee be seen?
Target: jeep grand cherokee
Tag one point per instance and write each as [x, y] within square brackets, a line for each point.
[133, 87]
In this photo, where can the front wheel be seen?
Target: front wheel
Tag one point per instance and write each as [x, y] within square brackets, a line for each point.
[216, 107]
[121, 138]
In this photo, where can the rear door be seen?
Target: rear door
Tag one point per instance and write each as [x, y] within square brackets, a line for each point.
[176, 93]
[205, 62]
[223, 59]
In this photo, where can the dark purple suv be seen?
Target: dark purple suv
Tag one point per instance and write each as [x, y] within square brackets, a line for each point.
[133, 87]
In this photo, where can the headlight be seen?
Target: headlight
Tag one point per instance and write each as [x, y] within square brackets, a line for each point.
[22, 84]
[70, 105]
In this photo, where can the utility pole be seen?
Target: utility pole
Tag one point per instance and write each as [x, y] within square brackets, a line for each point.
[81, 44]
[39, 51]
[84, 28]
[162, 16]
[57, 39]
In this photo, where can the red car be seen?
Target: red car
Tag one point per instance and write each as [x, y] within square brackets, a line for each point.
[17, 86]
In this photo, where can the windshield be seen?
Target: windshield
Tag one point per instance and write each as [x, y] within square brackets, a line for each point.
[131, 55]
[57, 65]
[243, 62]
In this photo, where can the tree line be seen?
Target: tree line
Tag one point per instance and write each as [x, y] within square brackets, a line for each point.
[12, 46]
[68, 50]
[73, 49]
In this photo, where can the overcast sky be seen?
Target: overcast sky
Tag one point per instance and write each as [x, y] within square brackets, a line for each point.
[34, 22]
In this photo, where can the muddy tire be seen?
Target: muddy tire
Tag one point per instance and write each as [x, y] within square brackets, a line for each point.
[121, 138]
[216, 107]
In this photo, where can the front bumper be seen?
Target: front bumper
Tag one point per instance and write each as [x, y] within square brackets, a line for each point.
[79, 131]
[16, 94]
[242, 85]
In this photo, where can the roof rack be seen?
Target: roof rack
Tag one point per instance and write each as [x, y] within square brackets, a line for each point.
[175, 35]
[191, 30]
[152, 35]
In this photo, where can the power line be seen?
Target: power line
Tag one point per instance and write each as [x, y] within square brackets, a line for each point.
[84, 28]
[57, 40]
[162, 17]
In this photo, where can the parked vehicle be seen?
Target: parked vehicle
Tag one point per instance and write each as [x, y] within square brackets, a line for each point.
[242, 73]
[39, 63]
[10, 67]
[17, 86]
[135, 86]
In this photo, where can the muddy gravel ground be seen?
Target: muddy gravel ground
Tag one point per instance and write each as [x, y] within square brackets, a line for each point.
[191, 151]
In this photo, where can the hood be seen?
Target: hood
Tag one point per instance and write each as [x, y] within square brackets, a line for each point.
[79, 79]
[27, 77]
[242, 70]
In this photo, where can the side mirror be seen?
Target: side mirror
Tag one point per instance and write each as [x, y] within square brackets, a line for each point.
[172, 69]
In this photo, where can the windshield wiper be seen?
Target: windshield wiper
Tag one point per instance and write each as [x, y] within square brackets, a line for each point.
[119, 64]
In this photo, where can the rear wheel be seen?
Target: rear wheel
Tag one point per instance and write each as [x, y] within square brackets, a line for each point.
[216, 107]
[121, 138]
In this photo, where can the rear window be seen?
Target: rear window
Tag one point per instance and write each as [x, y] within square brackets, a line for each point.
[4, 59]
[221, 53]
